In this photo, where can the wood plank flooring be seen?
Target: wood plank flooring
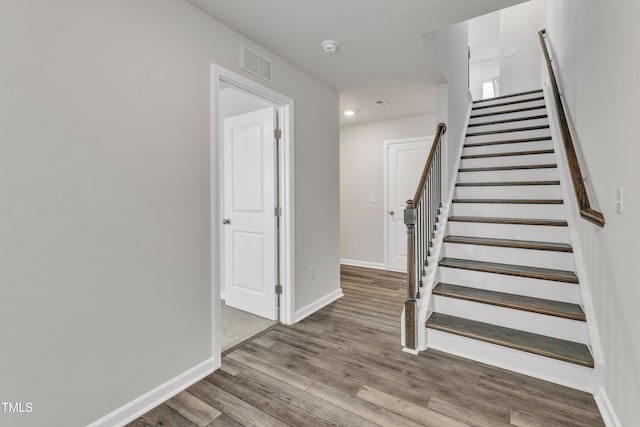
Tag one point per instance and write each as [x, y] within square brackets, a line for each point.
[343, 366]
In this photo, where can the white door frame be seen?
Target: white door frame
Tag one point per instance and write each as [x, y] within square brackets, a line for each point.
[385, 158]
[284, 105]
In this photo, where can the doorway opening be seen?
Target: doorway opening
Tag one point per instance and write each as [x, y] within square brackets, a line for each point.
[251, 209]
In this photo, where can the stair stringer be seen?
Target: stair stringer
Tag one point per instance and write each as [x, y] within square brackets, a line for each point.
[424, 304]
[573, 216]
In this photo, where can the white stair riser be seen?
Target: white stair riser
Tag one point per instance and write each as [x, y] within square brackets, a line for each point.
[546, 368]
[546, 289]
[537, 133]
[507, 99]
[509, 125]
[528, 257]
[528, 104]
[509, 231]
[530, 159]
[509, 192]
[545, 174]
[551, 326]
[537, 112]
[503, 148]
[502, 210]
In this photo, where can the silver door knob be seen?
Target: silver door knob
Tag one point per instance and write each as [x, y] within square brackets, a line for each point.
[226, 221]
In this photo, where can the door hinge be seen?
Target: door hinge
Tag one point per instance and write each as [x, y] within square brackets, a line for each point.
[278, 289]
[278, 211]
[277, 133]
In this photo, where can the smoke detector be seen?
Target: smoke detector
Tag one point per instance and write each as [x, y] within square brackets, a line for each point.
[329, 46]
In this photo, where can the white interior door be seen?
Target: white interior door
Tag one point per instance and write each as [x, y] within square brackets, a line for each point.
[405, 161]
[249, 213]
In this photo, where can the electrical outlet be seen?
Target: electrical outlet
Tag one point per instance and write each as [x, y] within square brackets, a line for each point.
[509, 52]
[372, 198]
[312, 273]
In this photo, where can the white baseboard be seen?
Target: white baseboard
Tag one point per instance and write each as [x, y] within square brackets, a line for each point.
[411, 351]
[607, 411]
[365, 264]
[139, 406]
[317, 305]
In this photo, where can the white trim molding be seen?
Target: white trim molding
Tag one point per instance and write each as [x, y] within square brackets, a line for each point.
[365, 264]
[607, 411]
[285, 107]
[141, 405]
[318, 304]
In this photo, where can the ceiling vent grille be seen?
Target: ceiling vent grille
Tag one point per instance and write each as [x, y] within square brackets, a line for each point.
[381, 103]
[256, 64]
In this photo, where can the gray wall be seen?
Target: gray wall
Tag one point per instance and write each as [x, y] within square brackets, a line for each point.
[105, 261]
[452, 98]
[595, 45]
[362, 174]
[519, 26]
[234, 102]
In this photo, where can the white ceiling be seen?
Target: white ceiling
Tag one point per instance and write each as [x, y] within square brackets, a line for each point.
[386, 47]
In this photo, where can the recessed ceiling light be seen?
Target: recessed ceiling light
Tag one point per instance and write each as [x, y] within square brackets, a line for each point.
[349, 113]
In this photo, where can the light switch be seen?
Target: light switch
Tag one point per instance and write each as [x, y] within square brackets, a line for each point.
[372, 198]
[509, 52]
[619, 200]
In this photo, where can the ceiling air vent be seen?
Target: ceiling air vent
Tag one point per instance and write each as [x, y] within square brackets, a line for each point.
[382, 103]
[256, 64]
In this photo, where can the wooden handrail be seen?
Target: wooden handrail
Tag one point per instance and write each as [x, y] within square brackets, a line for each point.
[441, 130]
[586, 211]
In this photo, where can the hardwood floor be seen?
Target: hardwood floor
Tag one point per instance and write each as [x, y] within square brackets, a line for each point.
[343, 366]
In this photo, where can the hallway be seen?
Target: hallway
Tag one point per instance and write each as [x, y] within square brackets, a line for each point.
[343, 366]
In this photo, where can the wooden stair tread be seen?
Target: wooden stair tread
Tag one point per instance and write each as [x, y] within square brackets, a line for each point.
[505, 183]
[529, 92]
[511, 270]
[513, 201]
[516, 302]
[502, 104]
[512, 111]
[508, 168]
[516, 221]
[509, 243]
[498, 131]
[508, 154]
[507, 141]
[567, 351]
[515, 119]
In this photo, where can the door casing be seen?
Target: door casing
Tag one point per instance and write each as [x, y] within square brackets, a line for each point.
[284, 106]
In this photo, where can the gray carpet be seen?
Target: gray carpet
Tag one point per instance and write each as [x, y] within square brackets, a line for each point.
[238, 325]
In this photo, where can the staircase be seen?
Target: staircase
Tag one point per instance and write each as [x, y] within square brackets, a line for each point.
[506, 290]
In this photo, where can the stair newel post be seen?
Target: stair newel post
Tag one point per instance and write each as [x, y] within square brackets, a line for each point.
[410, 303]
